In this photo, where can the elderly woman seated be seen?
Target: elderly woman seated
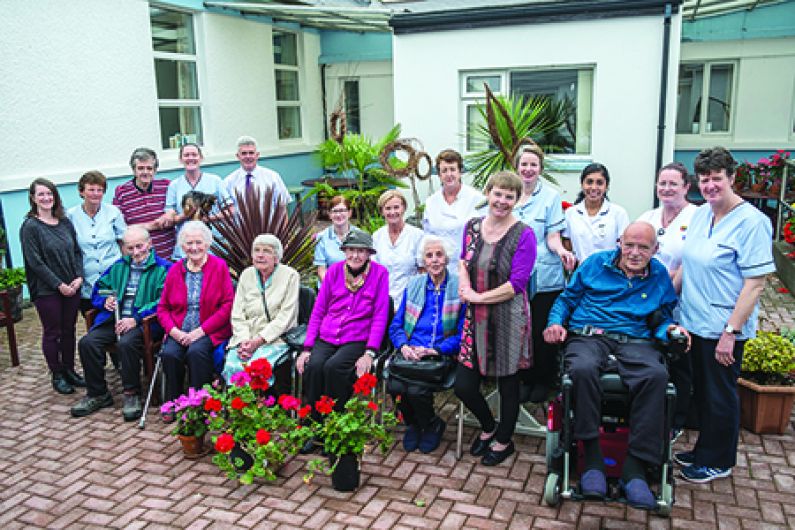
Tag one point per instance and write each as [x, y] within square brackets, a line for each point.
[427, 323]
[347, 324]
[194, 311]
[266, 305]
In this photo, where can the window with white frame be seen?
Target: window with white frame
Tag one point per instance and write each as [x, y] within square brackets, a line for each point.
[353, 117]
[176, 76]
[705, 98]
[288, 96]
[568, 92]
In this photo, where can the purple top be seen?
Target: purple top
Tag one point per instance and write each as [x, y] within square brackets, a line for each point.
[340, 316]
[522, 262]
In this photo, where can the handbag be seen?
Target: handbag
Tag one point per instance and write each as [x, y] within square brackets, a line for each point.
[433, 369]
[293, 337]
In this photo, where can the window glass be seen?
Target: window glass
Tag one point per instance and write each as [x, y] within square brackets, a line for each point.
[180, 125]
[176, 79]
[351, 99]
[475, 83]
[720, 94]
[285, 48]
[289, 122]
[172, 31]
[286, 85]
[474, 121]
[688, 114]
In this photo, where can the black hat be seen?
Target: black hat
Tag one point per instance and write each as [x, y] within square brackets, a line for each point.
[358, 239]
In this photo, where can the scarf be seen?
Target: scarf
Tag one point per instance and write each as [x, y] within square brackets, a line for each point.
[355, 282]
[416, 298]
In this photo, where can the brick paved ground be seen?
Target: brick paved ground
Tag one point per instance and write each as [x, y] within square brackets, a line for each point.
[56, 471]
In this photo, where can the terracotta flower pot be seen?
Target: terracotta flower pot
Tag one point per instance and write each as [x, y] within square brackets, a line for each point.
[193, 446]
[765, 409]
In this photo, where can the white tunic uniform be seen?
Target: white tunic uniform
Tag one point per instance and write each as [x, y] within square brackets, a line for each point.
[591, 234]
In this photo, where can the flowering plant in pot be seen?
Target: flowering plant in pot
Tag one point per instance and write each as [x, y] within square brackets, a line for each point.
[191, 419]
[767, 386]
[257, 431]
[345, 433]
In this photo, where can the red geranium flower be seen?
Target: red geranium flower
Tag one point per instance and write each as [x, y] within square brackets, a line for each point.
[372, 406]
[212, 405]
[303, 411]
[263, 436]
[783, 290]
[325, 405]
[365, 384]
[260, 370]
[288, 402]
[238, 404]
[224, 443]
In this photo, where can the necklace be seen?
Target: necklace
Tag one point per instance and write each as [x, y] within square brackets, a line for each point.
[674, 216]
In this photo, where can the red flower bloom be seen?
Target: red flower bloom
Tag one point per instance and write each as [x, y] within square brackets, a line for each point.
[372, 406]
[303, 411]
[212, 405]
[365, 384]
[260, 370]
[789, 233]
[325, 405]
[783, 290]
[263, 436]
[288, 402]
[238, 404]
[224, 443]
[566, 205]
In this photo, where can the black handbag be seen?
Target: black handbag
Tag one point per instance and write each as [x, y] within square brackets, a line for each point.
[293, 337]
[434, 369]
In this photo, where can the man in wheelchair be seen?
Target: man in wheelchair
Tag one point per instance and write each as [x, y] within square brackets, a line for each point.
[605, 310]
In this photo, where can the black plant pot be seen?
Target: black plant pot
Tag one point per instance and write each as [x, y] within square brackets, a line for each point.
[346, 475]
[241, 460]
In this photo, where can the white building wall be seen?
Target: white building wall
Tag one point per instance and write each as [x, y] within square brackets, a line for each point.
[375, 93]
[626, 56]
[763, 109]
[78, 89]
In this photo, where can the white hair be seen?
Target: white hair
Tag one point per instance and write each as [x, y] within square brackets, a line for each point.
[134, 230]
[269, 240]
[246, 140]
[430, 239]
[194, 227]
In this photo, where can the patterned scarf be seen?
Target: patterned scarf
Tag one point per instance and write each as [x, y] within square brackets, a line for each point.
[415, 301]
[354, 283]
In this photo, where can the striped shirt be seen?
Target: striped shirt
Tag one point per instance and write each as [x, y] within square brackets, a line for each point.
[143, 206]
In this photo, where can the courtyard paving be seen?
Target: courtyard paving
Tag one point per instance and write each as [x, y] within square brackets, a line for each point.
[99, 472]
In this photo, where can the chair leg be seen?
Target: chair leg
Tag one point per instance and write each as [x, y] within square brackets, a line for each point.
[460, 432]
[152, 383]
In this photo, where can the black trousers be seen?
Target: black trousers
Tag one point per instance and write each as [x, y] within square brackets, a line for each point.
[199, 358]
[545, 356]
[92, 356]
[682, 378]
[467, 388]
[331, 371]
[641, 368]
[717, 402]
[416, 401]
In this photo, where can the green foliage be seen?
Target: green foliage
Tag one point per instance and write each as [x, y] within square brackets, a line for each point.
[10, 278]
[358, 157]
[536, 117]
[769, 358]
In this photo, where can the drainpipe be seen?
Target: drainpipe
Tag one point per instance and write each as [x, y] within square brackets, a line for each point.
[323, 99]
[663, 92]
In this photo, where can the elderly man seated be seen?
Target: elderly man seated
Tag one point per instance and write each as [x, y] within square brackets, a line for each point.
[607, 308]
[136, 281]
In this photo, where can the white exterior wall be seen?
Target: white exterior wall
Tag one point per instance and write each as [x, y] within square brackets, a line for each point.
[375, 93]
[78, 89]
[763, 110]
[624, 52]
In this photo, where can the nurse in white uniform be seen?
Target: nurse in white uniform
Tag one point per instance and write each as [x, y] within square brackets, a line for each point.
[594, 223]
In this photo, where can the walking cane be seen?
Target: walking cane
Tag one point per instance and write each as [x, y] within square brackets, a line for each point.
[142, 423]
[116, 310]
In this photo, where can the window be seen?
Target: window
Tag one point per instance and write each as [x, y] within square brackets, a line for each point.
[288, 99]
[568, 94]
[176, 77]
[350, 90]
[699, 83]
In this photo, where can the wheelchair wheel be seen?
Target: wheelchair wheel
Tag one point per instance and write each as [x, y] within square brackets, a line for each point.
[552, 490]
[665, 504]
[552, 443]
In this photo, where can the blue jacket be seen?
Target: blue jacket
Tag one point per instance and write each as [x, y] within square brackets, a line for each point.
[600, 294]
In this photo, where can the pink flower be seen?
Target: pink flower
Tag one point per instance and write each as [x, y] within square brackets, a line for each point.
[240, 378]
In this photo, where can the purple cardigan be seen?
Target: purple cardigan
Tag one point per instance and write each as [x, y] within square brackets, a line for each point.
[340, 316]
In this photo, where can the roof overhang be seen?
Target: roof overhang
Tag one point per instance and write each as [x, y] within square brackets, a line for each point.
[529, 13]
[341, 18]
[693, 9]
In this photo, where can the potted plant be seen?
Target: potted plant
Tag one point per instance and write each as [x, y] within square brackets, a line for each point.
[11, 281]
[191, 417]
[257, 431]
[766, 386]
[344, 434]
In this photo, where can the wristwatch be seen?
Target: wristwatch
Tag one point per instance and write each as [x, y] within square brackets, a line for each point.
[731, 331]
[371, 353]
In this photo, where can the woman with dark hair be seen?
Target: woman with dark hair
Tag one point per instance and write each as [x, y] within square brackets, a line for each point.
[727, 254]
[54, 270]
[497, 259]
[594, 223]
[100, 227]
[327, 242]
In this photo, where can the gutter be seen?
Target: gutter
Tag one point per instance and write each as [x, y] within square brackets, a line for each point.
[531, 13]
[663, 92]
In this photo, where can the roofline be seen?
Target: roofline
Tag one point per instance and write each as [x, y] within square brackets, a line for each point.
[536, 13]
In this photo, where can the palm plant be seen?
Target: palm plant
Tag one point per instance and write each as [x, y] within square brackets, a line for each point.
[255, 215]
[507, 121]
[356, 156]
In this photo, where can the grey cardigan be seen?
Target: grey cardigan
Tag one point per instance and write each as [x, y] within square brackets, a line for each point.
[52, 255]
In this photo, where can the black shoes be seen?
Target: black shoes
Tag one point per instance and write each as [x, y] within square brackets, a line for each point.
[89, 405]
[493, 458]
[60, 384]
[479, 446]
[73, 378]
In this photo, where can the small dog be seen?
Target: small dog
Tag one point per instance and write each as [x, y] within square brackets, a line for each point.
[197, 205]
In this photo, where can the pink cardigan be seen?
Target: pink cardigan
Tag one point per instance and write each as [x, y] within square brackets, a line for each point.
[215, 302]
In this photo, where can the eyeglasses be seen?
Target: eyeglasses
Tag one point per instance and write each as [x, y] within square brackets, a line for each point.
[339, 210]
